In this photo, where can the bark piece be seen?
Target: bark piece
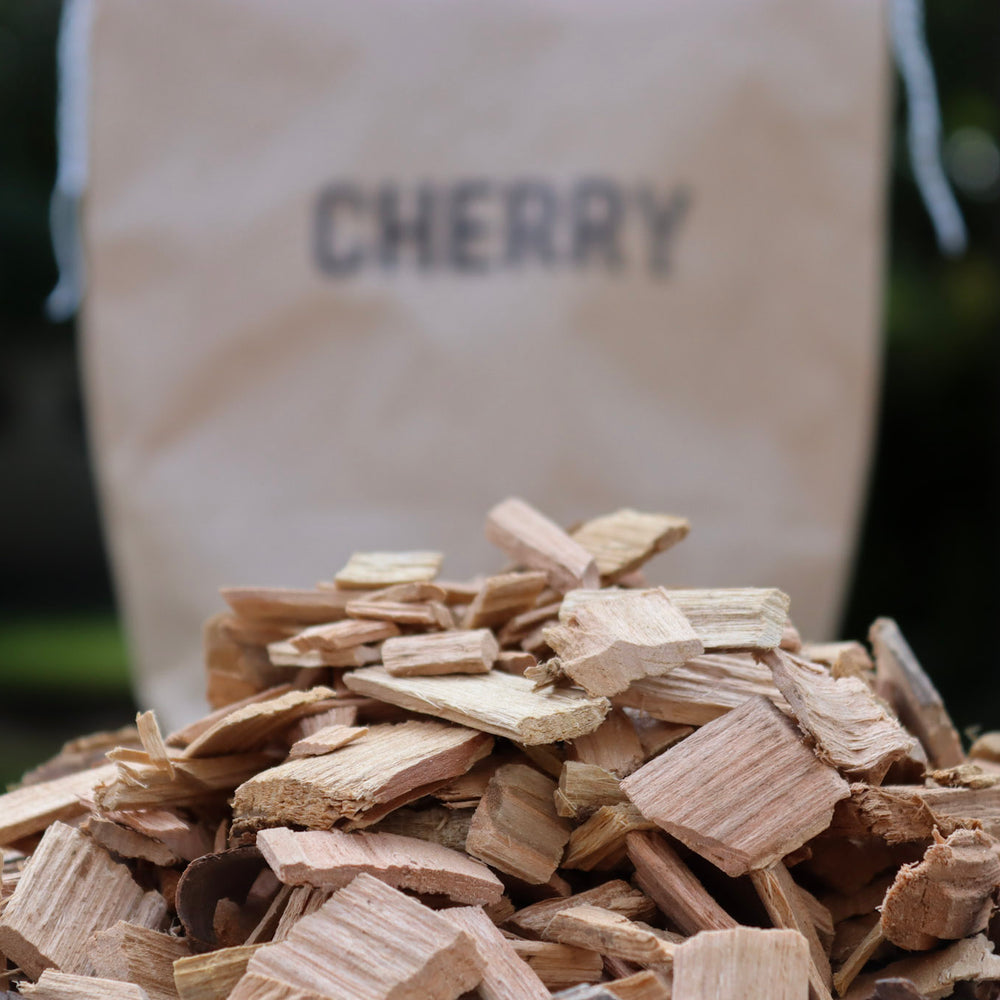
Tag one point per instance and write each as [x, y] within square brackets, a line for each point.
[613, 745]
[506, 976]
[949, 894]
[610, 933]
[788, 910]
[55, 985]
[456, 652]
[139, 955]
[515, 827]
[70, 889]
[852, 730]
[934, 976]
[743, 791]
[329, 859]
[285, 605]
[532, 540]
[502, 597]
[499, 703]
[617, 637]
[678, 894]
[734, 618]
[326, 740]
[615, 895]
[903, 683]
[375, 570]
[743, 962]
[621, 542]
[584, 788]
[213, 975]
[560, 965]
[599, 843]
[32, 808]
[702, 689]
[362, 780]
[249, 728]
[368, 942]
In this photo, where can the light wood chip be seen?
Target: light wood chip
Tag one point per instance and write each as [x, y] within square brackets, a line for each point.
[285, 605]
[342, 636]
[904, 684]
[152, 740]
[621, 542]
[852, 729]
[498, 703]
[736, 617]
[560, 965]
[458, 652]
[743, 962]
[506, 976]
[329, 859]
[364, 779]
[515, 827]
[213, 975]
[429, 614]
[55, 985]
[950, 894]
[743, 791]
[610, 933]
[584, 788]
[608, 642]
[376, 570]
[616, 895]
[139, 955]
[352, 947]
[614, 745]
[70, 889]
[502, 597]
[532, 540]
[326, 740]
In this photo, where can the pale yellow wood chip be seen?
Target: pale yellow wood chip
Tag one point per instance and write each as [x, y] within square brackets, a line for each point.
[736, 617]
[375, 570]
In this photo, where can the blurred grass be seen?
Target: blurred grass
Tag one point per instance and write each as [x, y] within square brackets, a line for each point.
[62, 675]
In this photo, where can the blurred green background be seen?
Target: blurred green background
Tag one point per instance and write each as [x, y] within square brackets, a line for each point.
[928, 553]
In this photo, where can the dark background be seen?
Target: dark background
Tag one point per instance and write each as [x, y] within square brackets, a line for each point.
[928, 552]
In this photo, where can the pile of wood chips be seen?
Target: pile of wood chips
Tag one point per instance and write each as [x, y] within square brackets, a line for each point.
[555, 780]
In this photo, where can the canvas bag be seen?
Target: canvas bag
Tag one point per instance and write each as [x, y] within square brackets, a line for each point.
[356, 272]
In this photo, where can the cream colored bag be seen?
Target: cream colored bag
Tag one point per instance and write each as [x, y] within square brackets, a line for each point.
[357, 271]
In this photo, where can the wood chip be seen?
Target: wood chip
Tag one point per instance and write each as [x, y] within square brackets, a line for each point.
[560, 965]
[392, 765]
[70, 889]
[584, 788]
[300, 607]
[702, 689]
[34, 807]
[152, 740]
[506, 976]
[498, 703]
[126, 843]
[139, 955]
[610, 933]
[599, 844]
[614, 745]
[375, 570]
[743, 962]
[904, 684]
[734, 618]
[950, 894]
[680, 897]
[249, 728]
[502, 597]
[464, 652]
[616, 895]
[342, 636]
[606, 643]
[535, 542]
[621, 542]
[351, 947]
[515, 827]
[213, 975]
[330, 859]
[326, 740]
[852, 730]
[65, 986]
[743, 791]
